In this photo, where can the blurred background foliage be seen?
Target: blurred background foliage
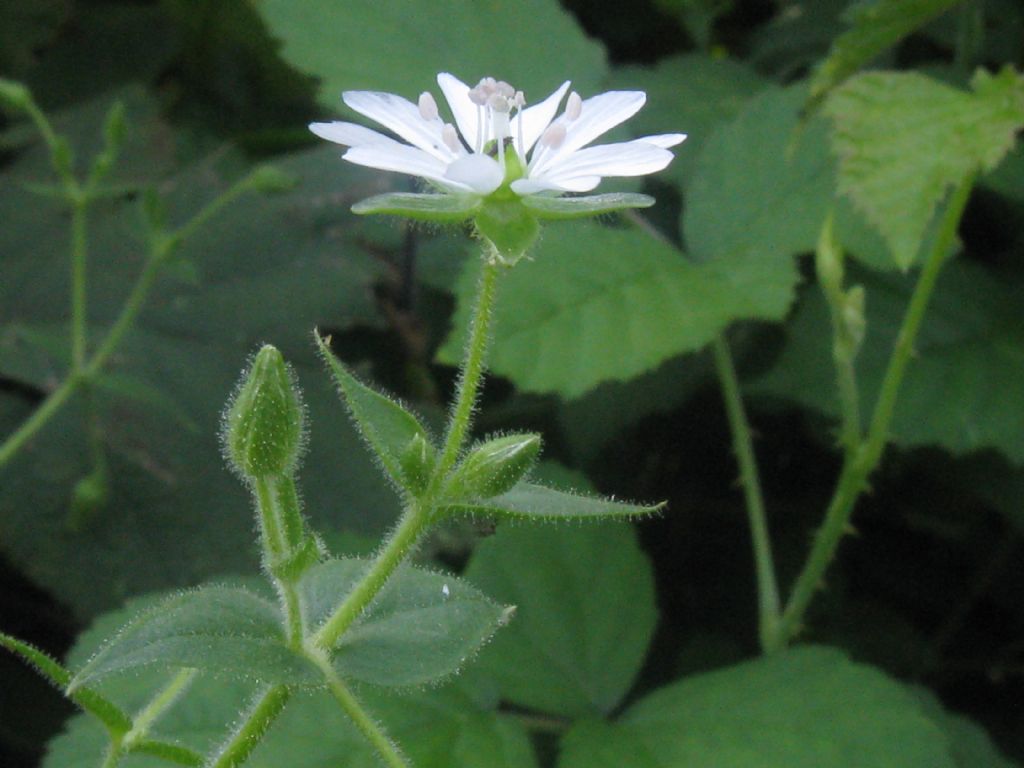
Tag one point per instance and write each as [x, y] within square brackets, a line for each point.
[600, 345]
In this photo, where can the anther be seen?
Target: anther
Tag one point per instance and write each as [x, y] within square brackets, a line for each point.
[553, 136]
[574, 106]
[450, 137]
[505, 89]
[428, 107]
[519, 100]
[498, 103]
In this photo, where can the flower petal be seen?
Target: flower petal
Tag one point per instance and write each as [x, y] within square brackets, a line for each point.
[350, 134]
[404, 118]
[401, 158]
[538, 117]
[628, 158]
[599, 114]
[664, 140]
[480, 173]
[465, 112]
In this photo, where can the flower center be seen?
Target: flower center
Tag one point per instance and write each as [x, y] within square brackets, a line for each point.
[497, 104]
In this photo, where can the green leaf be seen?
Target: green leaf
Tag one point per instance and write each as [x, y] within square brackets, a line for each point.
[809, 707]
[388, 427]
[421, 207]
[689, 94]
[971, 746]
[875, 27]
[961, 390]
[421, 627]
[904, 139]
[597, 304]
[93, 703]
[586, 613]
[557, 208]
[342, 45]
[437, 728]
[223, 630]
[763, 183]
[529, 501]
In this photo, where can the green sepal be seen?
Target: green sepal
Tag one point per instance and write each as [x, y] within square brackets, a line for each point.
[264, 425]
[96, 705]
[417, 462]
[509, 226]
[299, 560]
[495, 467]
[556, 208]
[421, 207]
[387, 427]
[528, 501]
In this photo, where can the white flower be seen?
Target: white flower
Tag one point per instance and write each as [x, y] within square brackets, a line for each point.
[542, 153]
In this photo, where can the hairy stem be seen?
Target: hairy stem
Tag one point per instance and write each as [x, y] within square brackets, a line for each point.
[472, 369]
[858, 466]
[266, 707]
[412, 523]
[767, 588]
[159, 704]
[79, 258]
[373, 732]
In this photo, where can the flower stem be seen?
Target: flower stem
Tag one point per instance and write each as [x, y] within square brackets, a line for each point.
[49, 407]
[860, 464]
[366, 725]
[414, 520]
[113, 754]
[767, 588]
[277, 547]
[472, 369]
[79, 251]
[266, 707]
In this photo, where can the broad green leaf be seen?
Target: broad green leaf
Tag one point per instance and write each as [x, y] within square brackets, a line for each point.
[689, 94]
[962, 388]
[796, 38]
[763, 182]
[875, 27]
[421, 628]
[387, 426]
[225, 630]
[585, 614]
[970, 745]
[529, 501]
[437, 728]
[421, 207]
[904, 139]
[267, 269]
[809, 707]
[557, 208]
[597, 304]
[379, 46]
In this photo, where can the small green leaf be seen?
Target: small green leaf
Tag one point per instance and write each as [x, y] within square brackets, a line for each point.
[904, 139]
[494, 467]
[529, 501]
[224, 630]
[103, 710]
[264, 423]
[420, 629]
[387, 426]
[808, 707]
[875, 27]
[585, 614]
[421, 207]
[555, 208]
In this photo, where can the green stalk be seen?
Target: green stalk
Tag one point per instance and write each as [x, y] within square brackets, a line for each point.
[371, 730]
[113, 754]
[857, 467]
[767, 588]
[79, 258]
[268, 705]
[40, 416]
[412, 523]
[472, 369]
[159, 704]
[276, 549]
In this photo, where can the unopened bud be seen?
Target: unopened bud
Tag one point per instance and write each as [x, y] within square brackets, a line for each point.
[270, 179]
[494, 467]
[264, 425]
[14, 94]
[417, 462]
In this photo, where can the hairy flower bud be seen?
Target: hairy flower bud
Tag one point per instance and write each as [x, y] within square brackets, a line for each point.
[494, 467]
[263, 426]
